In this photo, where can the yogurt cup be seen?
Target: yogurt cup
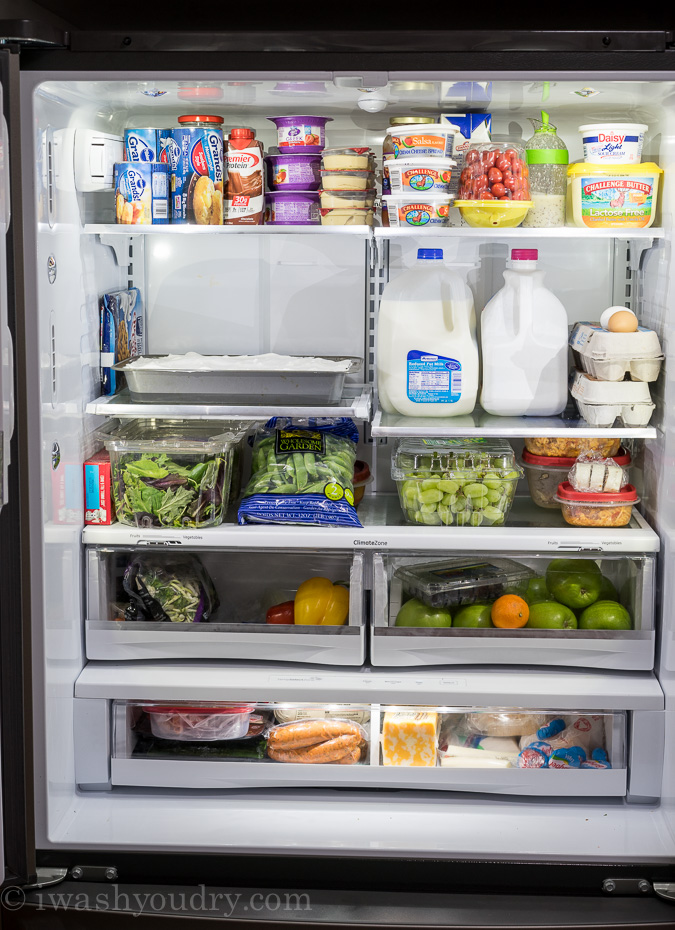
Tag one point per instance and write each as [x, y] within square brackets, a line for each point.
[346, 180]
[433, 140]
[292, 208]
[347, 159]
[613, 143]
[347, 200]
[341, 216]
[419, 175]
[408, 210]
[293, 172]
[304, 133]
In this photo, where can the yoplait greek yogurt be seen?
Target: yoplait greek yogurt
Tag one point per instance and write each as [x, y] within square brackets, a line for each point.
[613, 143]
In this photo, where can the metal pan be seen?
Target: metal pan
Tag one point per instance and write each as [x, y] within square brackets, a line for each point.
[236, 387]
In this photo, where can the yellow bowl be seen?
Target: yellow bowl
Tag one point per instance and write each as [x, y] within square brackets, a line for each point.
[493, 213]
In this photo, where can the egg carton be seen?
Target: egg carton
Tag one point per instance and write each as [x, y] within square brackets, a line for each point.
[592, 390]
[605, 415]
[611, 356]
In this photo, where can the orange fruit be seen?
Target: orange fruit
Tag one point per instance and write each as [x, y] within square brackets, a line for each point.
[510, 612]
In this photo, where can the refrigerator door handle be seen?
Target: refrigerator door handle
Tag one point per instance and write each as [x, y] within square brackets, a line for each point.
[665, 890]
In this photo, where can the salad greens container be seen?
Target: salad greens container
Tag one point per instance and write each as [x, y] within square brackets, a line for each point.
[455, 482]
[171, 473]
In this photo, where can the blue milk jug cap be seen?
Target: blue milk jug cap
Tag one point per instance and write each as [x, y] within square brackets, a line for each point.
[429, 253]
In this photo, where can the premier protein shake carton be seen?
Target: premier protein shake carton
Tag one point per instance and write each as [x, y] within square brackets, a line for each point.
[472, 128]
[244, 191]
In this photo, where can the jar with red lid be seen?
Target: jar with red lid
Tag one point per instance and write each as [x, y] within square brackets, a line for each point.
[597, 508]
[199, 722]
[201, 119]
[545, 472]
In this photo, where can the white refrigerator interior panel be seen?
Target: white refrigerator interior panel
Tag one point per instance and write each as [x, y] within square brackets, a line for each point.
[560, 690]
[336, 823]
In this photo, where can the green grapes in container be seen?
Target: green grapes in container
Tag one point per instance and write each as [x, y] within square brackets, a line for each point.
[455, 482]
[547, 160]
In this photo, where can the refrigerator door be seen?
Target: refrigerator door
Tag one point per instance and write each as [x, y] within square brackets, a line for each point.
[6, 347]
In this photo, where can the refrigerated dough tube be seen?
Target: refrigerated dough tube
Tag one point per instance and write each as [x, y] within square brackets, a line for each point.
[305, 733]
[330, 751]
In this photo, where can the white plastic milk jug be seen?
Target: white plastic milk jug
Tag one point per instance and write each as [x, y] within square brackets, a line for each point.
[524, 344]
[427, 353]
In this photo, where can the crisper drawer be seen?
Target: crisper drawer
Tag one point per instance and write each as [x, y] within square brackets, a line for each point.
[218, 601]
[584, 610]
[487, 750]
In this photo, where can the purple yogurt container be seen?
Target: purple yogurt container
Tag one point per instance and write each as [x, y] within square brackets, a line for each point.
[292, 208]
[305, 134]
[293, 172]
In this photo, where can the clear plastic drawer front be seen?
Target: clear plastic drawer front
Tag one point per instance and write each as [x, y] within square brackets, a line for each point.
[297, 606]
[573, 610]
[488, 750]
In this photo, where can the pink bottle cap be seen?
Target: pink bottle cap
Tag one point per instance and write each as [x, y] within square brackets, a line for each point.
[524, 255]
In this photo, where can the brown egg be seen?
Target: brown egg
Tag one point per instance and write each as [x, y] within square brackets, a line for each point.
[623, 321]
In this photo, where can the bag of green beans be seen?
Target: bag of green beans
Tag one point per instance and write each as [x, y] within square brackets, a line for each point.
[302, 472]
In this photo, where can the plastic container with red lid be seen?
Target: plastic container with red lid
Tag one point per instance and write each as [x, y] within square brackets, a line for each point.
[198, 119]
[592, 508]
[192, 723]
[545, 472]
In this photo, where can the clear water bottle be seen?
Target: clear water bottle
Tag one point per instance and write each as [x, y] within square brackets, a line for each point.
[547, 159]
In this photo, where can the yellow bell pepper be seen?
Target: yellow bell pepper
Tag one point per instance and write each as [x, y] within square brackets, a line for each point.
[319, 602]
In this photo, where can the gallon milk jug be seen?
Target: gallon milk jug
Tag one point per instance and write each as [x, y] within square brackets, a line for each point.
[524, 344]
[427, 353]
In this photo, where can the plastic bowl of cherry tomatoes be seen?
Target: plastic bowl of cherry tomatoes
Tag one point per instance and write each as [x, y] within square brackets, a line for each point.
[494, 187]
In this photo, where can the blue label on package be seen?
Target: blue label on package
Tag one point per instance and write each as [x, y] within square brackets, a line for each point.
[433, 379]
[197, 175]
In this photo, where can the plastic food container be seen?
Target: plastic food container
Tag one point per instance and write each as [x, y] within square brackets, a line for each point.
[190, 724]
[362, 478]
[292, 208]
[545, 472]
[347, 200]
[306, 133]
[612, 196]
[347, 216]
[456, 582]
[435, 140]
[581, 508]
[613, 143]
[293, 172]
[600, 403]
[571, 448]
[171, 473]
[455, 482]
[611, 356]
[493, 172]
[347, 159]
[490, 213]
[346, 180]
[419, 175]
[409, 210]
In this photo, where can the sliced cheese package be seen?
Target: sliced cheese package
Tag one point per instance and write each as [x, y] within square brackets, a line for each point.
[410, 738]
[592, 473]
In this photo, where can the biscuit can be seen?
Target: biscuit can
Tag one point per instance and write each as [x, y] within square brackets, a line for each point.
[146, 145]
[141, 193]
[197, 172]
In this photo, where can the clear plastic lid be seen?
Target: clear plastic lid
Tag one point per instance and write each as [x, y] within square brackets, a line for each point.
[462, 581]
[452, 457]
[190, 436]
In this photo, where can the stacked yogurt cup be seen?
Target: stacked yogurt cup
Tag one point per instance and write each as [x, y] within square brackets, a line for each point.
[293, 171]
[416, 175]
[348, 186]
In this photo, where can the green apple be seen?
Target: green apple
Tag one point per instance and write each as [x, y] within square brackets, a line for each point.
[415, 613]
[548, 615]
[607, 590]
[474, 615]
[574, 582]
[536, 591]
[605, 615]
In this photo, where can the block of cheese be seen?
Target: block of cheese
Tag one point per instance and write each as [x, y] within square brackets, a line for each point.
[409, 738]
